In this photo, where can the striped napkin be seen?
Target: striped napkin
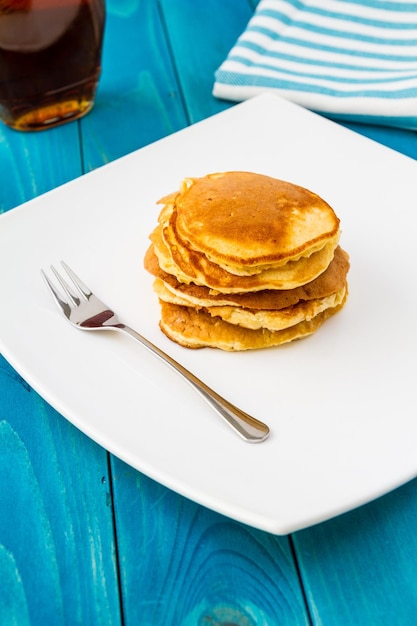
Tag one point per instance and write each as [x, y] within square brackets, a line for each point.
[349, 59]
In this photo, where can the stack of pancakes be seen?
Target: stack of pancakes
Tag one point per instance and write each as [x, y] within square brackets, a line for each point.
[244, 261]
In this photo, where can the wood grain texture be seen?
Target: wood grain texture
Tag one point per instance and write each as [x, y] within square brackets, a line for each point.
[182, 564]
[138, 100]
[33, 163]
[361, 567]
[199, 44]
[399, 139]
[57, 551]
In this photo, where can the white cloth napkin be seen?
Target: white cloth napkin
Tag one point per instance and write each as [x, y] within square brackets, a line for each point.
[349, 59]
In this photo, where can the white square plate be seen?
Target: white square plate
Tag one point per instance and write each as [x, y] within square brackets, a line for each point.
[340, 404]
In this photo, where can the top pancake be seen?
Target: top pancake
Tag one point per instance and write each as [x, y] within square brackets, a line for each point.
[247, 223]
[190, 266]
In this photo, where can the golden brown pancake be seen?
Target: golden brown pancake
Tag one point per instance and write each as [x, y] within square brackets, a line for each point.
[276, 320]
[330, 281]
[244, 261]
[197, 329]
[261, 318]
[247, 223]
[189, 266]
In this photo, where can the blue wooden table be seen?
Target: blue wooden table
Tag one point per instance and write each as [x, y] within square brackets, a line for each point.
[84, 538]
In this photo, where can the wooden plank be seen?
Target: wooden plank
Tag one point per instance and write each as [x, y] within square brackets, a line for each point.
[57, 552]
[400, 139]
[199, 44]
[138, 100]
[335, 562]
[57, 548]
[183, 564]
[61, 477]
[180, 563]
[361, 568]
[205, 568]
[29, 165]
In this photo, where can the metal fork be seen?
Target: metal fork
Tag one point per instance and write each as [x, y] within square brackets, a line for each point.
[85, 311]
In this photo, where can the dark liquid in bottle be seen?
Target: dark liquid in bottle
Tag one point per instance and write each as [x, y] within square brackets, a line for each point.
[50, 60]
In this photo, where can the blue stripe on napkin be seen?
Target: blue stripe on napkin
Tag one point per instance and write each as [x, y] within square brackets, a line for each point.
[353, 59]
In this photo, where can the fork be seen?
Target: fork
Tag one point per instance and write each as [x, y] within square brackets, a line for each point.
[86, 312]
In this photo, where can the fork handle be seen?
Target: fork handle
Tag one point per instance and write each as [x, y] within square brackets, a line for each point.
[248, 427]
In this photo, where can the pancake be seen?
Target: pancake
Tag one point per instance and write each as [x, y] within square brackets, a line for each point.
[330, 281]
[189, 266]
[197, 329]
[277, 320]
[243, 261]
[247, 223]
[261, 318]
